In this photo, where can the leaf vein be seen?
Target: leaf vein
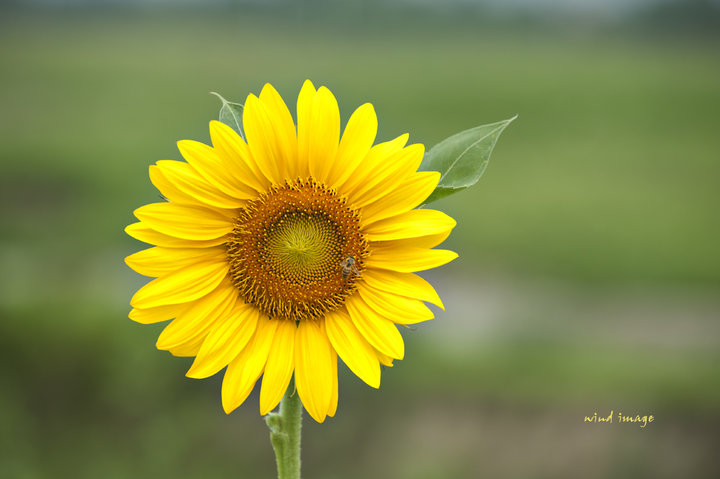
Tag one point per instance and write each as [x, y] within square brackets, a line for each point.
[459, 157]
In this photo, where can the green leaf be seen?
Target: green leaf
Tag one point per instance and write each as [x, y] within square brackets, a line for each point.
[231, 114]
[462, 158]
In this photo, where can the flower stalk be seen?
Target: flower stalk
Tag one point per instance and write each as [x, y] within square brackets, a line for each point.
[285, 427]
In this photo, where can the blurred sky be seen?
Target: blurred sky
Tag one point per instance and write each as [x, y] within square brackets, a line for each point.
[694, 15]
[615, 6]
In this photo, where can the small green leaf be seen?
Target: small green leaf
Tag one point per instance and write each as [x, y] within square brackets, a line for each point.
[231, 114]
[462, 158]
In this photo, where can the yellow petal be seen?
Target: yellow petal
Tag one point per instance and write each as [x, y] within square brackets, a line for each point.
[425, 242]
[384, 359]
[225, 340]
[408, 260]
[182, 286]
[279, 366]
[283, 131]
[355, 144]
[185, 221]
[235, 156]
[380, 332]
[352, 347]
[197, 320]
[261, 139]
[245, 369]
[365, 169]
[410, 224]
[188, 349]
[205, 160]
[325, 127]
[398, 309]
[144, 233]
[313, 369]
[411, 193]
[404, 284]
[168, 190]
[332, 407]
[157, 314]
[389, 173]
[158, 261]
[177, 176]
[305, 132]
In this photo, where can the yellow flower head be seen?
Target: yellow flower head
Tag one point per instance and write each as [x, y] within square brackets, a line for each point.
[276, 255]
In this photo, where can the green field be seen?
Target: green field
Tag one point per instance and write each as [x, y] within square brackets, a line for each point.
[590, 248]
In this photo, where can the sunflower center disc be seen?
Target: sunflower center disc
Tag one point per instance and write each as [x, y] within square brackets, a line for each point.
[288, 248]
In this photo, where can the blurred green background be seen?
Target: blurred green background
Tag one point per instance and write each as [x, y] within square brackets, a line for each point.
[589, 269]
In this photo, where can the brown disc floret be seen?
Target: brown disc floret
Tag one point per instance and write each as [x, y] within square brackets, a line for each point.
[288, 247]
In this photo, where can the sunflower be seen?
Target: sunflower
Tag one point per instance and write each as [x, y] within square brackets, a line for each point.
[276, 254]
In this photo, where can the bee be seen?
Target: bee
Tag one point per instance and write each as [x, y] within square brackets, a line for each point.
[348, 266]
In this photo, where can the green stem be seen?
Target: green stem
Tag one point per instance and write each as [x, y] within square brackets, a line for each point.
[285, 428]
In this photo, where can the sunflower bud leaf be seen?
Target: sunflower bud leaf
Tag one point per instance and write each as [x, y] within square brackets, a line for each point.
[462, 158]
[231, 114]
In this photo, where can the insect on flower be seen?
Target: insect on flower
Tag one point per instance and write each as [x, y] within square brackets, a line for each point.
[348, 266]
